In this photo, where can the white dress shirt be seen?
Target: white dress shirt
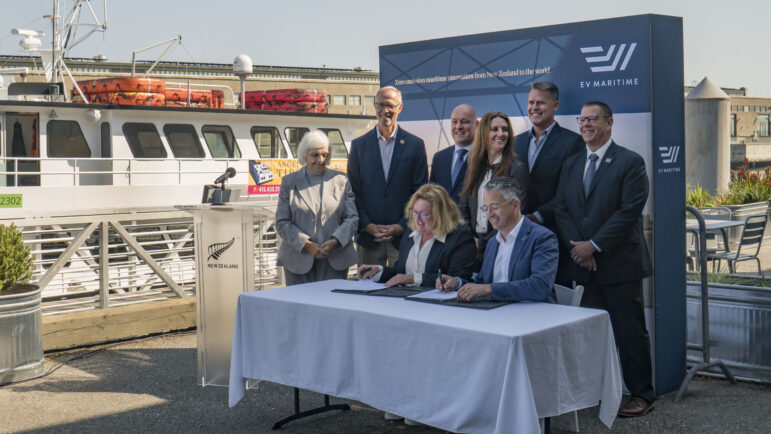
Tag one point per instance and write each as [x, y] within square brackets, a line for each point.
[503, 257]
[386, 146]
[481, 227]
[416, 258]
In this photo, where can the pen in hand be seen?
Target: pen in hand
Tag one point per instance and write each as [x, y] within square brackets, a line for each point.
[441, 280]
[363, 272]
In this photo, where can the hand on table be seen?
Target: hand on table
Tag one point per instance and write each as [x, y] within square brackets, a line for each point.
[473, 290]
[400, 279]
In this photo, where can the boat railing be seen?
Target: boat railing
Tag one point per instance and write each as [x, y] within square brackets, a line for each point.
[193, 86]
[119, 257]
[62, 172]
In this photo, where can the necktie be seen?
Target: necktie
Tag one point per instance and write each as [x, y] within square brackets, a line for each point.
[458, 165]
[590, 171]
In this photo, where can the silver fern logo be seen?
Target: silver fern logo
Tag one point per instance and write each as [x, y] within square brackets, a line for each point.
[604, 57]
[217, 249]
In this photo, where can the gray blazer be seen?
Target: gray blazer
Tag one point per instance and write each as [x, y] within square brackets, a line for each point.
[296, 220]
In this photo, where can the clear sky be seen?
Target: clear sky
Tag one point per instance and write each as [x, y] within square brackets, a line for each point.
[729, 41]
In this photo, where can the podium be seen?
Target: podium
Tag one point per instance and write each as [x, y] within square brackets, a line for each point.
[224, 268]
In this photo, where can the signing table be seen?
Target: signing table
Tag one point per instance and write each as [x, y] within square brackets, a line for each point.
[459, 369]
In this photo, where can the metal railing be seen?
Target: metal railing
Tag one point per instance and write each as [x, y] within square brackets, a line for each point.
[27, 171]
[98, 260]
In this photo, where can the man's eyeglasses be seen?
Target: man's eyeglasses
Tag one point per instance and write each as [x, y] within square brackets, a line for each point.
[424, 215]
[589, 119]
[493, 206]
[381, 106]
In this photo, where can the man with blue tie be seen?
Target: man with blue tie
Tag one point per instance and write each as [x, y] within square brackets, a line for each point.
[385, 167]
[520, 260]
[448, 167]
[598, 209]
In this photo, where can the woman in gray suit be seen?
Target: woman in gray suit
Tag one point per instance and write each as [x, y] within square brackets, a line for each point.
[316, 217]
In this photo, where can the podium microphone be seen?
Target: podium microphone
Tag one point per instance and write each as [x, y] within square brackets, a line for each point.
[231, 172]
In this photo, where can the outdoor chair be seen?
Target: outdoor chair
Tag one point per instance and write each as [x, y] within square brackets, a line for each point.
[715, 244]
[567, 296]
[750, 240]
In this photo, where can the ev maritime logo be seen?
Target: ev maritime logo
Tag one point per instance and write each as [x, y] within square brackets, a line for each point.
[598, 55]
[669, 156]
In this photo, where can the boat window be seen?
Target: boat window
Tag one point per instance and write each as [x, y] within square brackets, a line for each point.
[268, 143]
[65, 139]
[144, 140]
[106, 140]
[337, 142]
[221, 142]
[183, 140]
[293, 136]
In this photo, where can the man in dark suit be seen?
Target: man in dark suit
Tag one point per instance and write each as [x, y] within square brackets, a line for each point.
[598, 210]
[448, 167]
[385, 166]
[520, 261]
[544, 148]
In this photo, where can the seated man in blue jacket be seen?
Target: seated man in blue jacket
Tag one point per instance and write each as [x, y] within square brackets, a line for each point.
[520, 261]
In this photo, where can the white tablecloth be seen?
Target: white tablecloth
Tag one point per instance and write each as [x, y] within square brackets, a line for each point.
[459, 369]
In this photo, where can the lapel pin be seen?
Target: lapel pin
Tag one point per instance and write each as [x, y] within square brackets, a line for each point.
[608, 160]
[401, 142]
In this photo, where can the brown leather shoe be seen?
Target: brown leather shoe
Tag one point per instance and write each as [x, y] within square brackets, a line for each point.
[634, 407]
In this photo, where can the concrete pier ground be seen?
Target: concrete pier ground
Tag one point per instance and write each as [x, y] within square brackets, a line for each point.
[149, 386]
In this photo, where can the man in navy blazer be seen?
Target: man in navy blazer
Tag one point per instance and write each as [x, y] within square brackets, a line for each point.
[385, 166]
[544, 148]
[520, 260]
[448, 167]
[599, 217]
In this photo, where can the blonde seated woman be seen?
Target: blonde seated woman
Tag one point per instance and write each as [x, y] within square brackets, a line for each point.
[436, 240]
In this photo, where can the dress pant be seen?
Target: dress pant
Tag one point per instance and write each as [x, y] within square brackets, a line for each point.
[624, 303]
[384, 254]
[321, 270]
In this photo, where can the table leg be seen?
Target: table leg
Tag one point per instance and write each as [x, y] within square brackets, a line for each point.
[301, 414]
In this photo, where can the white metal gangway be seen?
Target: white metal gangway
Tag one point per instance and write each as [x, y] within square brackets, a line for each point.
[99, 259]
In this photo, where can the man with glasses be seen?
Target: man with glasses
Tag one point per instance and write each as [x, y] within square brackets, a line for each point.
[385, 166]
[543, 149]
[598, 210]
[520, 261]
[448, 168]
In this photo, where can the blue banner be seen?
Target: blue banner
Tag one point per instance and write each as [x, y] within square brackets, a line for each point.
[606, 60]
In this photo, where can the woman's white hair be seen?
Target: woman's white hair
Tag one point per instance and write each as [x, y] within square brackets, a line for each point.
[312, 140]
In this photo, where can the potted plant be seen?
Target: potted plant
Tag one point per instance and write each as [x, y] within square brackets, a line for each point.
[21, 323]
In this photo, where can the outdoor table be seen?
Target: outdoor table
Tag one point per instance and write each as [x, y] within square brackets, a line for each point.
[711, 226]
[454, 368]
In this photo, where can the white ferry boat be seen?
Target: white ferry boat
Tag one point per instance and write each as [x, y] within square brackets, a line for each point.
[61, 157]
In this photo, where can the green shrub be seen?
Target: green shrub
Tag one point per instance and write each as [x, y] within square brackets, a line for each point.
[15, 258]
[746, 186]
[699, 198]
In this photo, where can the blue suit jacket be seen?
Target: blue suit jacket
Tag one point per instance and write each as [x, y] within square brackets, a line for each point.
[380, 200]
[455, 256]
[441, 173]
[560, 144]
[532, 267]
